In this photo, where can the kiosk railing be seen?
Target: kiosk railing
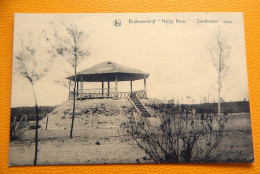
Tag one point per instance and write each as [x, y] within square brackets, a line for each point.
[105, 93]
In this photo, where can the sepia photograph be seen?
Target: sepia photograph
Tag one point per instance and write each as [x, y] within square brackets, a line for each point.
[129, 88]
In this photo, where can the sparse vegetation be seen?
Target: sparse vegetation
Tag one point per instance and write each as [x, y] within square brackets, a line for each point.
[171, 137]
[21, 116]
[114, 148]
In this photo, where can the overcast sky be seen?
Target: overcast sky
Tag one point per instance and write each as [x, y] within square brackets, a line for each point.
[173, 53]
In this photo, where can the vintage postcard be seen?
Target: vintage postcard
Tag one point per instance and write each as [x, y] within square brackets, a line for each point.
[119, 88]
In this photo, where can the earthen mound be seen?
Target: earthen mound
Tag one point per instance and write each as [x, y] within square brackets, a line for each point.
[92, 113]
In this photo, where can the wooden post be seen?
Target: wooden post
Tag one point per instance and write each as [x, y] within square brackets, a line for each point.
[108, 89]
[69, 89]
[27, 120]
[86, 91]
[81, 87]
[90, 120]
[145, 92]
[116, 87]
[131, 86]
[46, 125]
[77, 89]
[102, 88]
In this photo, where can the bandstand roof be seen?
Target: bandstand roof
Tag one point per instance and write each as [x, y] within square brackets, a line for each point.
[107, 71]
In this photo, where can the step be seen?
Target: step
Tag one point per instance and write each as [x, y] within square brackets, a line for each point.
[140, 107]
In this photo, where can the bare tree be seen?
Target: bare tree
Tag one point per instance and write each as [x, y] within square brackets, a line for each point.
[175, 137]
[70, 45]
[219, 52]
[29, 62]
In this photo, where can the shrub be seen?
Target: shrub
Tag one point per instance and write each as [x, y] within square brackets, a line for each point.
[175, 137]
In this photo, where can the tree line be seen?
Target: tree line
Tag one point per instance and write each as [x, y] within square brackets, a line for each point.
[226, 107]
[30, 111]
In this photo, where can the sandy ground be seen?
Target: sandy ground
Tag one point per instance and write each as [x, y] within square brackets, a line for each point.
[79, 150]
[101, 141]
[107, 145]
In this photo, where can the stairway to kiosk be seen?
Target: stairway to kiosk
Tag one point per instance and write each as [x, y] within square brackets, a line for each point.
[139, 106]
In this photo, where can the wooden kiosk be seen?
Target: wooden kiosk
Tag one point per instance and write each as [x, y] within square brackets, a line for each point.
[107, 72]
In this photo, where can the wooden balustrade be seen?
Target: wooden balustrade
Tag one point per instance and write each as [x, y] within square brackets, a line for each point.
[99, 90]
[140, 94]
[107, 93]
